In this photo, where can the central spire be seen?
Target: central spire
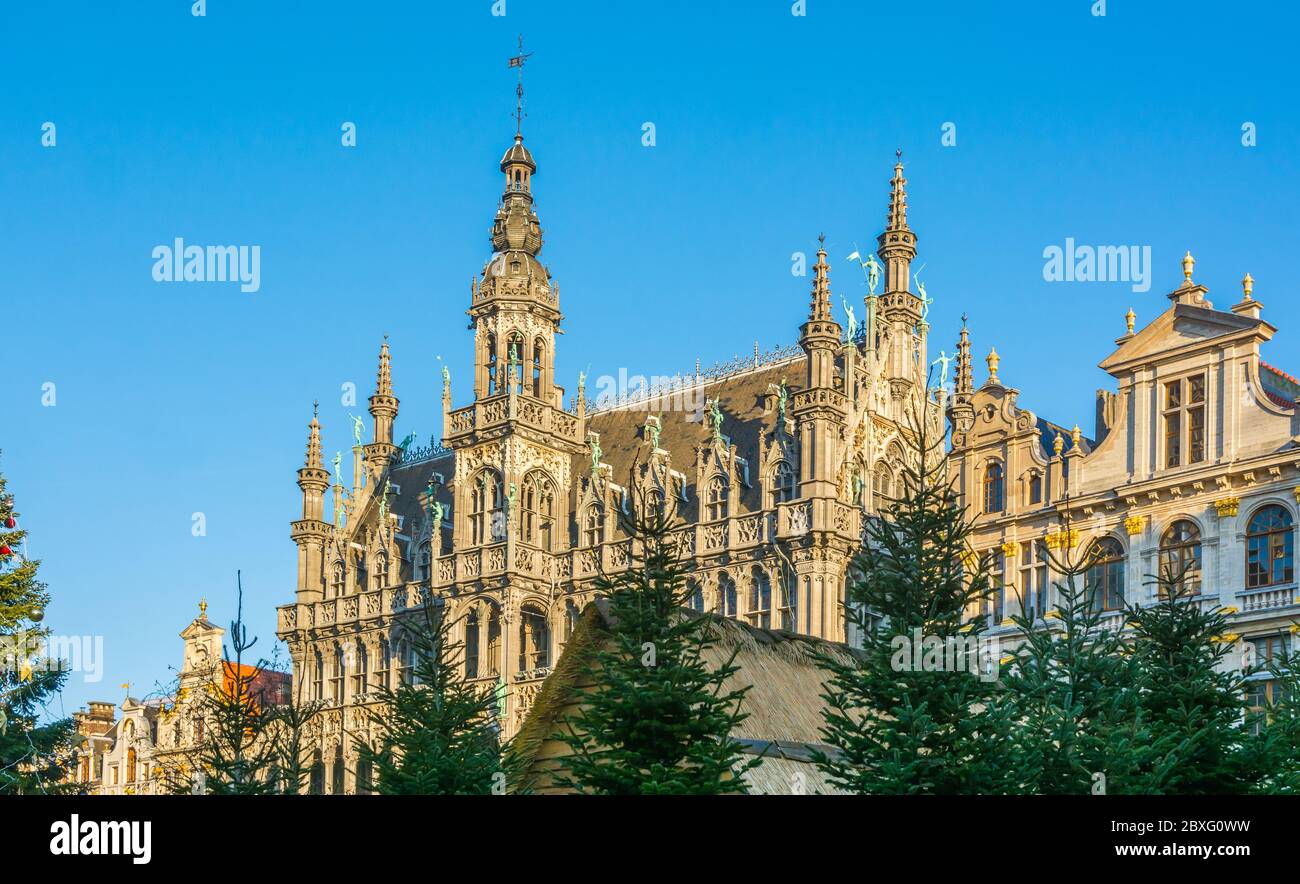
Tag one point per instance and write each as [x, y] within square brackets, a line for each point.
[898, 242]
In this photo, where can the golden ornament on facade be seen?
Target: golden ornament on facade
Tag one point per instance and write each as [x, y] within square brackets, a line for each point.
[1135, 524]
[1010, 548]
[1227, 506]
[1130, 319]
[1075, 435]
[1188, 263]
[992, 361]
[1058, 444]
[1247, 286]
[1295, 492]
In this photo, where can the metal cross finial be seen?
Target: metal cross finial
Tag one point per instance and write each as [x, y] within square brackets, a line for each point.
[518, 62]
[963, 319]
[821, 238]
[315, 407]
[898, 154]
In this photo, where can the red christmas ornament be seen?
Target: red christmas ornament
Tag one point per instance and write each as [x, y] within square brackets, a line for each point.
[9, 522]
[5, 550]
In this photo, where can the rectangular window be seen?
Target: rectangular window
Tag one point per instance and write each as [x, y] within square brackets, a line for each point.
[1196, 434]
[1173, 435]
[1184, 416]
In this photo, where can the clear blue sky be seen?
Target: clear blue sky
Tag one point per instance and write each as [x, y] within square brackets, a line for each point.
[177, 398]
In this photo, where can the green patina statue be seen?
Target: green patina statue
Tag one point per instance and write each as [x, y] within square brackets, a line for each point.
[715, 418]
[358, 426]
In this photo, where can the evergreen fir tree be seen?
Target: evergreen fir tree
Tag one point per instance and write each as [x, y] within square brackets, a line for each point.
[34, 756]
[929, 725]
[1193, 700]
[1074, 692]
[435, 734]
[1276, 721]
[658, 718]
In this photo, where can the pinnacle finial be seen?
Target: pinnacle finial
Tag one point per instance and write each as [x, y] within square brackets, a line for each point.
[1058, 444]
[1247, 286]
[313, 441]
[1130, 319]
[1075, 435]
[1188, 263]
[992, 361]
[384, 383]
[820, 309]
[203, 607]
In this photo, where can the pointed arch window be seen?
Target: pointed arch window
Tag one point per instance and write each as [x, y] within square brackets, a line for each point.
[361, 672]
[994, 481]
[385, 664]
[534, 639]
[789, 598]
[493, 661]
[782, 482]
[1104, 580]
[380, 577]
[486, 518]
[1180, 558]
[716, 499]
[592, 525]
[471, 645]
[882, 485]
[336, 681]
[760, 599]
[726, 595]
[362, 572]
[538, 515]
[318, 678]
[539, 351]
[424, 561]
[695, 596]
[1270, 548]
[338, 580]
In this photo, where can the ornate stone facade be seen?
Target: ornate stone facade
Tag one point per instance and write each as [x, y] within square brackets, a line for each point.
[1194, 463]
[769, 466]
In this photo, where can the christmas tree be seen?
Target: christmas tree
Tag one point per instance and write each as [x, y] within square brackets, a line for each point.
[435, 734]
[919, 712]
[1073, 687]
[1194, 702]
[34, 756]
[658, 718]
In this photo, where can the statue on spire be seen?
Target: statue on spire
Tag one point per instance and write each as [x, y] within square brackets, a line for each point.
[358, 426]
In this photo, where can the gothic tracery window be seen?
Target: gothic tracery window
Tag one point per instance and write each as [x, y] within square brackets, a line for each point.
[782, 482]
[716, 499]
[471, 645]
[760, 599]
[534, 639]
[486, 517]
[592, 523]
[726, 595]
[538, 516]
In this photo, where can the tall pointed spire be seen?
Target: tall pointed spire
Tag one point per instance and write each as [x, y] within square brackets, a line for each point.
[313, 440]
[961, 411]
[383, 408]
[965, 376]
[897, 244]
[820, 309]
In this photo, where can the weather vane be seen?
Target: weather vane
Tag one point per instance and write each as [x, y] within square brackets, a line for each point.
[518, 62]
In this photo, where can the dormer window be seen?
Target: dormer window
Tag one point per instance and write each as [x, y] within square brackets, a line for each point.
[993, 487]
[1184, 415]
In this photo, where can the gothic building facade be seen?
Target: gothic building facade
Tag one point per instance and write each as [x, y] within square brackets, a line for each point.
[1192, 472]
[769, 466]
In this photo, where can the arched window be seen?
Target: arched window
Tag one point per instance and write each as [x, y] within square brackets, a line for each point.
[1035, 489]
[760, 599]
[571, 615]
[486, 520]
[789, 599]
[882, 484]
[405, 662]
[538, 516]
[534, 639]
[539, 348]
[592, 523]
[364, 775]
[716, 499]
[318, 678]
[336, 786]
[726, 595]
[424, 561]
[695, 596]
[782, 482]
[471, 645]
[130, 765]
[1270, 548]
[316, 782]
[380, 576]
[336, 682]
[1105, 577]
[654, 501]
[338, 580]
[1180, 558]
[993, 487]
[493, 662]
[361, 672]
[385, 663]
[363, 576]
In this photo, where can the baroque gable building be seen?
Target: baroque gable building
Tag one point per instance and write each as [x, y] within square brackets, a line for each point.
[769, 465]
[1193, 469]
